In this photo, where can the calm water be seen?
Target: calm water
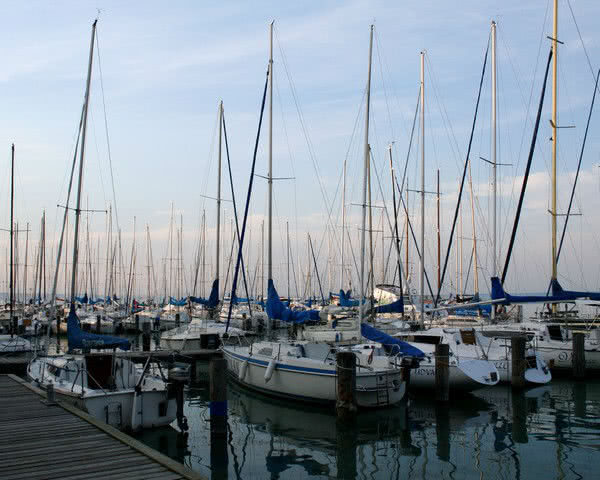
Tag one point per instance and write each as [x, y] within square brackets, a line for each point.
[546, 432]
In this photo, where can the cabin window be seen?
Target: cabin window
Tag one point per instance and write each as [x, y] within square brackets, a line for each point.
[266, 351]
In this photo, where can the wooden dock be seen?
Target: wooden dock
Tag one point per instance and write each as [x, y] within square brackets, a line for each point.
[38, 441]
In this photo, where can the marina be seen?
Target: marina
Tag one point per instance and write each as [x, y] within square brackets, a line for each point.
[280, 262]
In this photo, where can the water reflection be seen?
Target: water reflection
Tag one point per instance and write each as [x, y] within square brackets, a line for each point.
[547, 432]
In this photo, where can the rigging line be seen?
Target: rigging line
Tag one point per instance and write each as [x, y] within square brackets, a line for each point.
[581, 40]
[462, 183]
[385, 95]
[410, 142]
[316, 269]
[248, 196]
[305, 131]
[587, 126]
[529, 159]
[237, 225]
[112, 179]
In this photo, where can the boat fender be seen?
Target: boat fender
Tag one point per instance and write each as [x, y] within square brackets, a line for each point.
[243, 370]
[270, 369]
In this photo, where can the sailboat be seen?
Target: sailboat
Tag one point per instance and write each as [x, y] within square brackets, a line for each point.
[306, 370]
[109, 387]
[12, 344]
[203, 332]
[551, 334]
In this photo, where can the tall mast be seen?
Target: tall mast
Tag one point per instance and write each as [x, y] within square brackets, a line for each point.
[25, 266]
[554, 135]
[270, 174]
[287, 230]
[422, 266]
[219, 188]
[81, 157]
[343, 225]
[12, 207]
[439, 280]
[475, 266]
[493, 159]
[364, 193]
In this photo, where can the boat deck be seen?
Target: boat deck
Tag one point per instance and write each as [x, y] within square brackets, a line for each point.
[39, 441]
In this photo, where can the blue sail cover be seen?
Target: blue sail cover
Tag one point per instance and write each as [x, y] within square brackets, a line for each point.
[484, 310]
[177, 303]
[83, 299]
[346, 301]
[213, 299]
[278, 311]
[498, 293]
[392, 345]
[557, 291]
[394, 307]
[77, 338]
[91, 301]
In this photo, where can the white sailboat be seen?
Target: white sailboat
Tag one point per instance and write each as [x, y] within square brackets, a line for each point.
[109, 387]
[306, 371]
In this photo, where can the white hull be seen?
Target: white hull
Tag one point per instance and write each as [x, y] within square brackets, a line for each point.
[469, 375]
[312, 381]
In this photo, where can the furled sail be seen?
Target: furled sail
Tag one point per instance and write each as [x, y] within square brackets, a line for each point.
[213, 299]
[276, 309]
[78, 339]
[392, 345]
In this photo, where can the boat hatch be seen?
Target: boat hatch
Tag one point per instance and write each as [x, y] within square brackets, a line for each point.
[266, 351]
[468, 337]
[555, 332]
[99, 371]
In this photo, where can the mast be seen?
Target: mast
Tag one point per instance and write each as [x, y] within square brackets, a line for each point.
[475, 269]
[25, 266]
[439, 280]
[422, 266]
[494, 149]
[343, 225]
[81, 157]
[12, 232]
[270, 174]
[364, 193]
[217, 272]
[554, 123]
[287, 230]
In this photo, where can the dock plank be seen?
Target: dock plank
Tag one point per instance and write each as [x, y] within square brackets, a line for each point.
[39, 441]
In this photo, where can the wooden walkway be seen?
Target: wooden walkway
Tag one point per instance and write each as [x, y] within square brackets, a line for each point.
[39, 442]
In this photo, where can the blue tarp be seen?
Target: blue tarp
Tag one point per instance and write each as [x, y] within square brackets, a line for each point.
[346, 301]
[278, 311]
[392, 345]
[84, 340]
[94, 302]
[557, 291]
[213, 300]
[394, 307]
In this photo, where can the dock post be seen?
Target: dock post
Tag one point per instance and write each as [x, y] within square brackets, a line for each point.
[137, 323]
[58, 315]
[218, 417]
[517, 346]
[345, 404]
[442, 372]
[146, 337]
[98, 323]
[519, 416]
[578, 358]
[15, 326]
[177, 320]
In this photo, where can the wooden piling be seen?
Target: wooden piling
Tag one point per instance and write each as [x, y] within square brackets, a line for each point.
[146, 337]
[518, 363]
[177, 320]
[346, 385]
[217, 370]
[578, 358]
[137, 323]
[442, 372]
[98, 323]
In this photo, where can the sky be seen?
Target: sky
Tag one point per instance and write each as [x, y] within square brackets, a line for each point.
[161, 69]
